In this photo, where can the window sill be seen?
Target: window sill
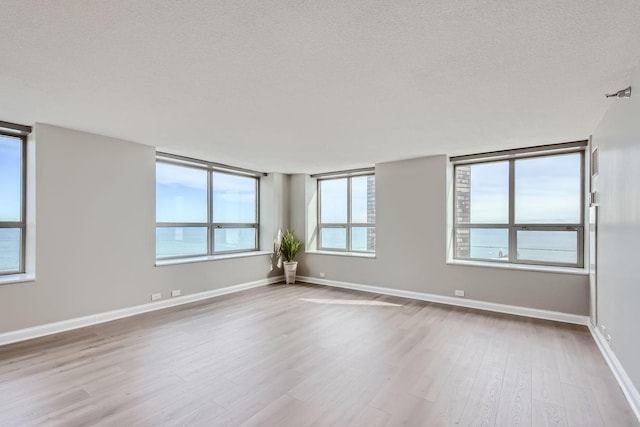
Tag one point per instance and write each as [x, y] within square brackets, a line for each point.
[17, 278]
[523, 267]
[347, 254]
[190, 260]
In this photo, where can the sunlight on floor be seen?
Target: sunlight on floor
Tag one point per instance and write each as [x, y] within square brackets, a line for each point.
[349, 302]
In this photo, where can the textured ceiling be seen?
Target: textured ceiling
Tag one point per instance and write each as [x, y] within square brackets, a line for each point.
[313, 86]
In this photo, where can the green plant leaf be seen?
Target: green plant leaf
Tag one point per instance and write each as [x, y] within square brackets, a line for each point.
[289, 245]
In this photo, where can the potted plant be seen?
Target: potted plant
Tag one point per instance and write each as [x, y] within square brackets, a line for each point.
[289, 247]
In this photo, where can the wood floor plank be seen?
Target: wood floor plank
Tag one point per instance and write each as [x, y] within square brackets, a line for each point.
[515, 408]
[545, 414]
[611, 402]
[546, 384]
[285, 411]
[581, 407]
[297, 355]
[569, 358]
[408, 410]
[447, 409]
[352, 415]
[246, 400]
[484, 396]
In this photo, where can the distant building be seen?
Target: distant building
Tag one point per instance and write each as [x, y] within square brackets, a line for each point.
[463, 210]
[371, 212]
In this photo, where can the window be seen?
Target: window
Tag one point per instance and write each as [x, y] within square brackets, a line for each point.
[12, 203]
[203, 211]
[526, 210]
[347, 212]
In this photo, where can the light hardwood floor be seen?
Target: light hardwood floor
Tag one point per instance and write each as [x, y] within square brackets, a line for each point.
[297, 355]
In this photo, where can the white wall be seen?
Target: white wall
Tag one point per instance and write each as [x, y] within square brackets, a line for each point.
[95, 233]
[411, 219]
[618, 185]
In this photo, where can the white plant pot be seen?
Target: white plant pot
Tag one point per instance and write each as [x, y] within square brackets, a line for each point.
[290, 269]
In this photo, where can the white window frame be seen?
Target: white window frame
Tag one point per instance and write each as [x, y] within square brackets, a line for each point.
[20, 132]
[349, 225]
[512, 156]
[210, 225]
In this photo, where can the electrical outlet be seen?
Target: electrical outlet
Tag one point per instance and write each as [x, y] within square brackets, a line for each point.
[155, 297]
[322, 274]
[175, 293]
[459, 293]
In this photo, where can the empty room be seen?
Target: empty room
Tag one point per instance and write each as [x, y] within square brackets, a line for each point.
[298, 213]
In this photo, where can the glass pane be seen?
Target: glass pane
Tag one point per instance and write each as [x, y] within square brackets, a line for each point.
[333, 238]
[548, 246]
[363, 239]
[333, 200]
[482, 193]
[181, 194]
[482, 243]
[180, 241]
[363, 199]
[234, 239]
[547, 190]
[234, 198]
[10, 250]
[10, 179]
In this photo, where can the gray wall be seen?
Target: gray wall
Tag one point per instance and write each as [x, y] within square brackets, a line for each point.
[95, 233]
[618, 185]
[411, 251]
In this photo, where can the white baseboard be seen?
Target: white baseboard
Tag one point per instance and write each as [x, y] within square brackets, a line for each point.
[630, 392]
[461, 302]
[81, 322]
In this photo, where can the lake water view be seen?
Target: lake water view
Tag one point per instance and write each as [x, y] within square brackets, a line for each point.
[543, 246]
[550, 246]
[186, 241]
[9, 250]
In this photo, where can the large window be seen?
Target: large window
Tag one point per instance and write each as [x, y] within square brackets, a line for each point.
[203, 211]
[347, 212]
[525, 210]
[12, 204]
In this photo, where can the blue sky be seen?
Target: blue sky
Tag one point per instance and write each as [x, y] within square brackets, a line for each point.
[547, 190]
[181, 195]
[334, 200]
[10, 192]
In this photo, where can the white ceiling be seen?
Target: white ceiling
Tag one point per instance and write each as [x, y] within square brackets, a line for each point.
[315, 86]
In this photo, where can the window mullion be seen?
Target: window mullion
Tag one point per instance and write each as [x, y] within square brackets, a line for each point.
[23, 208]
[581, 247]
[256, 219]
[181, 224]
[584, 196]
[234, 225]
[210, 233]
[513, 235]
[349, 214]
[11, 224]
[319, 213]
